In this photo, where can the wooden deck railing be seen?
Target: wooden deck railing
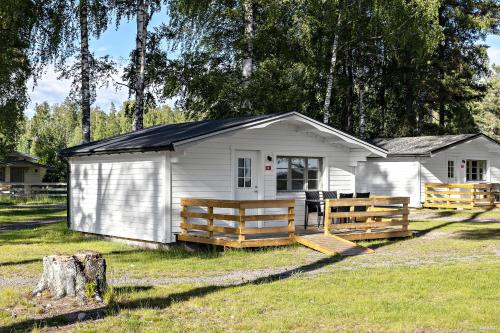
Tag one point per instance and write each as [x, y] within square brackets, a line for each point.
[238, 235]
[33, 189]
[467, 196]
[384, 217]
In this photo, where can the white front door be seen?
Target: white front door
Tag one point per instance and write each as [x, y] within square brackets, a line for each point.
[246, 175]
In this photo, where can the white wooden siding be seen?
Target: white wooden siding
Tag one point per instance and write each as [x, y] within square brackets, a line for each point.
[396, 177]
[121, 195]
[205, 169]
[408, 176]
[435, 169]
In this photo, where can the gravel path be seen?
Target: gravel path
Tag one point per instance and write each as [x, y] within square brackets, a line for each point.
[316, 264]
[431, 215]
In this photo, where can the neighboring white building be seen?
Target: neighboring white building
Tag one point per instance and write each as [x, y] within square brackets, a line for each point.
[130, 186]
[414, 161]
[20, 168]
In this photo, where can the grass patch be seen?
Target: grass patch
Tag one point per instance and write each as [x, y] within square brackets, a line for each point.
[16, 215]
[459, 297]
[443, 214]
[21, 252]
[7, 200]
[444, 280]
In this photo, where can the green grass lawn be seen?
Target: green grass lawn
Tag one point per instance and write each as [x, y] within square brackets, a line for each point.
[444, 280]
[16, 215]
[7, 200]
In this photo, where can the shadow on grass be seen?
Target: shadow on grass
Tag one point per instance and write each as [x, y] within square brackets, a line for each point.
[159, 302]
[420, 233]
[20, 262]
[165, 302]
[479, 234]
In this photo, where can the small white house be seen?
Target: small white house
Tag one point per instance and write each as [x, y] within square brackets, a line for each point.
[414, 161]
[130, 185]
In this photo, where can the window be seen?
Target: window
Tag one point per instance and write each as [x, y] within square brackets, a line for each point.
[298, 173]
[244, 172]
[451, 169]
[2, 174]
[475, 170]
[17, 175]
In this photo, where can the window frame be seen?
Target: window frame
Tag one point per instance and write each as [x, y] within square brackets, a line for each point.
[451, 167]
[245, 177]
[306, 179]
[469, 168]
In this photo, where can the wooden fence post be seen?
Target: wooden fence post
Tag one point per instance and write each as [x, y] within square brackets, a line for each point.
[405, 214]
[327, 217]
[184, 219]
[291, 220]
[241, 236]
[210, 221]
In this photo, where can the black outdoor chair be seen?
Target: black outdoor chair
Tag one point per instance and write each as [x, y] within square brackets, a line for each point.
[329, 195]
[344, 209]
[313, 205]
[361, 195]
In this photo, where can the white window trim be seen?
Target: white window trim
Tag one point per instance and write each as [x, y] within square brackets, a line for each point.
[320, 178]
[486, 171]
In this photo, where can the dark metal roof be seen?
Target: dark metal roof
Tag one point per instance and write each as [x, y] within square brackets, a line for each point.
[423, 145]
[25, 162]
[162, 137]
[166, 137]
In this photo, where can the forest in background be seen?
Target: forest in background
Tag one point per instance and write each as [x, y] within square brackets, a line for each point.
[373, 68]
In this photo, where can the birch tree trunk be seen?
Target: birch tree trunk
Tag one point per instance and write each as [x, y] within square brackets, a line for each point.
[140, 59]
[331, 71]
[249, 37]
[85, 68]
[362, 121]
[350, 91]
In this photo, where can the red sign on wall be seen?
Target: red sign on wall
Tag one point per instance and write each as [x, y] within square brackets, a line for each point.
[268, 168]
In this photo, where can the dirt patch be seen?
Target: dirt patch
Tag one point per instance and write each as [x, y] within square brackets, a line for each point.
[34, 310]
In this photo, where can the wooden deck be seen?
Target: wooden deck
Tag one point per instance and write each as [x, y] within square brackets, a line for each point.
[202, 218]
[464, 196]
[207, 232]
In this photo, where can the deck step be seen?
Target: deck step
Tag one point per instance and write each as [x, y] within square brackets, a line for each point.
[332, 245]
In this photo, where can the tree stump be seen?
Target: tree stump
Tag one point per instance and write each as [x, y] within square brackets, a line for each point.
[68, 275]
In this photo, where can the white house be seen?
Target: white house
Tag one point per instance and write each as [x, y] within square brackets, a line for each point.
[414, 161]
[130, 185]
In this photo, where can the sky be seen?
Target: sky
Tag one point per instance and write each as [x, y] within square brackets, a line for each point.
[118, 44]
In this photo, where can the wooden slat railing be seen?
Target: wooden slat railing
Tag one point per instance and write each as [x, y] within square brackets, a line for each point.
[34, 189]
[466, 196]
[236, 236]
[385, 217]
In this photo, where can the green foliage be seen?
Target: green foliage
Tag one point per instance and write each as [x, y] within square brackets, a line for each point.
[16, 23]
[417, 62]
[54, 127]
[90, 289]
[487, 111]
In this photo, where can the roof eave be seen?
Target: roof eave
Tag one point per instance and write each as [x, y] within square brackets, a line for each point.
[62, 153]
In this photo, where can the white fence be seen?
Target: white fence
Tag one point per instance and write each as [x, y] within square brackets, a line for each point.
[33, 189]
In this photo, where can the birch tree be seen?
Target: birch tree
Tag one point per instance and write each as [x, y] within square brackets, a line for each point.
[85, 70]
[331, 71]
[142, 20]
[248, 60]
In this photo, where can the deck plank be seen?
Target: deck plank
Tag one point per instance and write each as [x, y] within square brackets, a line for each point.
[331, 245]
